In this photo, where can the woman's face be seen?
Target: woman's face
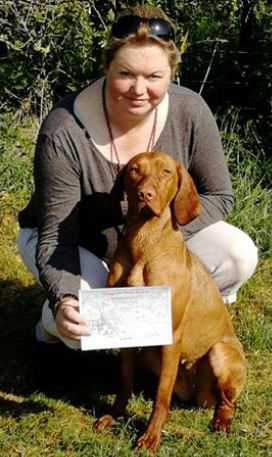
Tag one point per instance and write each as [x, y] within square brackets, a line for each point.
[138, 78]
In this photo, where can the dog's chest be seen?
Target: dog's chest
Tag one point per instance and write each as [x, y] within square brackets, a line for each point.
[156, 265]
[152, 249]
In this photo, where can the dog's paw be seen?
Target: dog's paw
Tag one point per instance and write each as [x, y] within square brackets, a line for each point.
[221, 421]
[149, 441]
[220, 424]
[103, 423]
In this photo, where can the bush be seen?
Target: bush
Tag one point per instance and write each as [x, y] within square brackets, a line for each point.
[251, 173]
[49, 49]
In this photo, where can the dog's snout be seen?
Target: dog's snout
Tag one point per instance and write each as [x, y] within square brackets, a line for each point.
[146, 194]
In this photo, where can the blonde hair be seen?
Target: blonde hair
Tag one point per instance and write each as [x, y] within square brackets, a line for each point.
[142, 36]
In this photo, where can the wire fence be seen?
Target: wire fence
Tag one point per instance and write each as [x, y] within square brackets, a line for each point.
[229, 77]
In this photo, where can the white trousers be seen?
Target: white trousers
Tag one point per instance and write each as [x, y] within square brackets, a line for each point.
[227, 252]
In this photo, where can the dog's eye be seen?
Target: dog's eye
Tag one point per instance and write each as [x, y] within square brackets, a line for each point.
[167, 172]
[134, 169]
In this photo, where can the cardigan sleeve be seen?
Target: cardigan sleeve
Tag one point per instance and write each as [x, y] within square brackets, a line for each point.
[57, 184]
[208, 168]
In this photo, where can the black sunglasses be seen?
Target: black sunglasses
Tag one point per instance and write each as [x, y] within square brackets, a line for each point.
[130, 24]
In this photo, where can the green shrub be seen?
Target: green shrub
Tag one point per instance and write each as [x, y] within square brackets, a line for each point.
[50, 45]
[251, 172]
[47, 48]
[17, 142]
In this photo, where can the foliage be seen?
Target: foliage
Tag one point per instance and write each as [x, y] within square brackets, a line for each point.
[251, 173]
[16, 148]
[49, 48]
[49, 45]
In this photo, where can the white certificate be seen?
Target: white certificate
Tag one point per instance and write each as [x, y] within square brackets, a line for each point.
[127, 317]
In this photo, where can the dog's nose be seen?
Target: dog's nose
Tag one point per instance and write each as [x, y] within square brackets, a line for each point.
[146, 194]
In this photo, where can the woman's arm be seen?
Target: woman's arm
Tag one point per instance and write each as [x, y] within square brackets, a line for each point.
[57, 183]
[209, 171]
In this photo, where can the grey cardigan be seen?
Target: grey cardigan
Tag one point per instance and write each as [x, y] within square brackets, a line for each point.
[72, 205]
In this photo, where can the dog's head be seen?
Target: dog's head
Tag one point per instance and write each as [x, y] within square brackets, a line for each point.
[153, 181]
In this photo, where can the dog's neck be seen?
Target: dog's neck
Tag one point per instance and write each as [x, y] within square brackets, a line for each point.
[143, 234]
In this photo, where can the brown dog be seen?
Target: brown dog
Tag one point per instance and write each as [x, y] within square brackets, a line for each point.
[205, 364]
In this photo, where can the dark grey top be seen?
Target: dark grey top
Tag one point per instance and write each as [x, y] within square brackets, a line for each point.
[72, 205]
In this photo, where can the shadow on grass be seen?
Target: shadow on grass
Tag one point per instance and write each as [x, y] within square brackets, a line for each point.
[27, 367]
[15, 409]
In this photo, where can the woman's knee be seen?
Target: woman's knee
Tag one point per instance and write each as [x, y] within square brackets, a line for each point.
[243, 256]
[26, 245]
[94, 271]
[228, 253]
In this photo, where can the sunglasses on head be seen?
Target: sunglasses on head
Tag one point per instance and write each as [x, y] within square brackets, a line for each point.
[158, 27]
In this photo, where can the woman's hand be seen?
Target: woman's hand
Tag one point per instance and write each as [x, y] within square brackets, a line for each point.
[69, 322]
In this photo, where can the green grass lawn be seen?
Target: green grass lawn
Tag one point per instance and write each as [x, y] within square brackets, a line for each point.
[50, 396]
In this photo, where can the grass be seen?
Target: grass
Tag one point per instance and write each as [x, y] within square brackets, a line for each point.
[50, 396]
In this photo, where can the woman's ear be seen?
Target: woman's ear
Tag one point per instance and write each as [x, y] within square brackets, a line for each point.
[119, 186]
[186, 204]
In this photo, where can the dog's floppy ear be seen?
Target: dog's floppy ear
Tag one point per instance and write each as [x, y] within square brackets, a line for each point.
[119, 186]
[186, 204]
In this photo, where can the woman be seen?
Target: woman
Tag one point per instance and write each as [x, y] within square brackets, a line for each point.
[72, 223]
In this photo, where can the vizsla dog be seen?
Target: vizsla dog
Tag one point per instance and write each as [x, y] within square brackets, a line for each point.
[205, 364]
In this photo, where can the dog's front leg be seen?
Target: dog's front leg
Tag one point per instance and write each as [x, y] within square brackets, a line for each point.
[169, 367]
[119, 268]
[116, 275]
[128, 358]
